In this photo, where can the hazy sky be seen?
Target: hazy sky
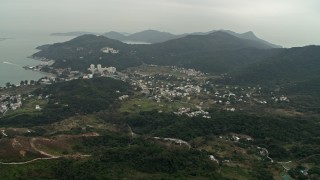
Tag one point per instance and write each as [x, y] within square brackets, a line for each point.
[284, 22]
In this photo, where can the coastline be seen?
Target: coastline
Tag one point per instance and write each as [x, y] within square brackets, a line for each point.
[33, 68]
[44, 62]
[17, 49]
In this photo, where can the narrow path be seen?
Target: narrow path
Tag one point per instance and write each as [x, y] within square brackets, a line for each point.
[130, 131]
[3, 133]
[32, 141]
[283, 165]
[266, 153]
[49, 156]
[178, 141]
[26, 162]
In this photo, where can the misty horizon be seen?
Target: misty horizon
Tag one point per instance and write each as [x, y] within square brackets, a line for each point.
[288, 23]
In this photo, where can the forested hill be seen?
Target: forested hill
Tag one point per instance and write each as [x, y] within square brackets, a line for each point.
[218, 52]
[154, 36]
[69, 98]
[215, 41]
[248, 61]
[82, 51]
[149, 36]
[290, 65]
[251, 36]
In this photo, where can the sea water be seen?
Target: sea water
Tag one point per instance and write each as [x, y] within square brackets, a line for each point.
[14, 53]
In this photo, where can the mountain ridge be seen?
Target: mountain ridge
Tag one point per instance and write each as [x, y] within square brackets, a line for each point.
[247, 61]
[217, 52]
[154, 36]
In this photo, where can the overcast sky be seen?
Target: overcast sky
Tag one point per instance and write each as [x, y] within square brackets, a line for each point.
[285, 22]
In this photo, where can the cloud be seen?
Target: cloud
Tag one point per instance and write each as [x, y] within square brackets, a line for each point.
[289, 22]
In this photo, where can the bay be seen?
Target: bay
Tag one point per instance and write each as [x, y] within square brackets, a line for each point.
[15, 48]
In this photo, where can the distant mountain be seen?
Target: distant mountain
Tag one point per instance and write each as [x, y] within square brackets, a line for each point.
[251, 36]
[148, 36]
[115, 35]
[247, 35]
[74, 33]
[218, 40]
[153, 36]
[218, 52]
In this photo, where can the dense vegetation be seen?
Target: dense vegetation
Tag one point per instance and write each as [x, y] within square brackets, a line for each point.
[126, 147]
[70, 98]
[129, 150]
[248, 61]
[82, 51]
[260, 127]
[218, 52]
[118, 157]
[290, 65]
[267, 131]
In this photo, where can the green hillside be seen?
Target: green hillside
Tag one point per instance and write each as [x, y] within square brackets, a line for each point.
[288, 66]
[66, 99]
[218, 52]
[82, 51]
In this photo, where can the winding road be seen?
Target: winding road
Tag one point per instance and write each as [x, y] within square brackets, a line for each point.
[32, 141]
[49, 156]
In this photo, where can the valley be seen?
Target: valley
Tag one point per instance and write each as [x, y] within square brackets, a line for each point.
[203, 106]
[176, 109]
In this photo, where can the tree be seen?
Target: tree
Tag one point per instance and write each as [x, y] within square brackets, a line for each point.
[8, 85]
[21, 83]
[15, 100]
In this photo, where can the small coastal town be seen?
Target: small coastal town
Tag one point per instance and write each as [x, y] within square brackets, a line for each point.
[192, 91]
[180, 91]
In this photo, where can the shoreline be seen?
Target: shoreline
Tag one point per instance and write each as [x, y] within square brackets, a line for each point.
[25, 43]
[46, 62]
[43, 74]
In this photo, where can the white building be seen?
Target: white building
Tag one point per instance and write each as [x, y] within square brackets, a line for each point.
[101, 70]
[109, 50]
[38, 107]
[92, 68]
